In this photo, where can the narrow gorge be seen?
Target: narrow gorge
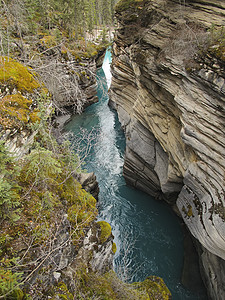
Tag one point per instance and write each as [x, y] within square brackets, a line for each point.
[148, 234]
[168, 87]
[153, 144]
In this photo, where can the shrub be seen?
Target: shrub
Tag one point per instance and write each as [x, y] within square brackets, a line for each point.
[216, 42]
[10, 281]
[9, 197]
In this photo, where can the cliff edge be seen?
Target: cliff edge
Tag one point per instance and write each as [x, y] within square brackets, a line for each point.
[168, 87]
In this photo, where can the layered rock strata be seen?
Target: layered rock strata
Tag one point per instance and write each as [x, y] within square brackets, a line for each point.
[168, 87]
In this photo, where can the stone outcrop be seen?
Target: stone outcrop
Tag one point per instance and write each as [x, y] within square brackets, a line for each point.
[92, 253]
[71, 82]
[168, 87]
[89, 183]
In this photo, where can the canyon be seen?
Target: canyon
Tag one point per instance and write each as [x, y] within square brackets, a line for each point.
[168, 87]
[60, 258]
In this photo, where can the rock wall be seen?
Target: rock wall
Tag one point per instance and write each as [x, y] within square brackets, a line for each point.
[168, 87]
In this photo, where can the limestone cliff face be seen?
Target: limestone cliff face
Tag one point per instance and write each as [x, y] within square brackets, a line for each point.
[168, 87]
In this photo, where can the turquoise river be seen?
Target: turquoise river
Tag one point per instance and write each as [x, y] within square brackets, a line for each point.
[148, 234]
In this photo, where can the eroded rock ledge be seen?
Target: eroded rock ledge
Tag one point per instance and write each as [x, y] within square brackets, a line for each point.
[168, 87]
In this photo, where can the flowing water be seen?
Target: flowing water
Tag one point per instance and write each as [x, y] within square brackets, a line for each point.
[147, 233]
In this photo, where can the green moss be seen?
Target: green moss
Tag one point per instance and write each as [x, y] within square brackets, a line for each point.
[101, 287]
[82, 212]
[15, 111]
[155, 288]
[110, 287]
[46, 200]
[62, 292]
[105, 231]
[34, 116]
[114, 248]
[44, 203]
[17, 294]
[16, 75]
[49, 41]
[80, 50]
[91, 285]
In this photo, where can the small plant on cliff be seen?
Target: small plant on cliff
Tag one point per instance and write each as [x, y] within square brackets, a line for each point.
[9, 197]
[42, 163]
[215, 43]
[192, 44]
[10, 281]
[185, 41]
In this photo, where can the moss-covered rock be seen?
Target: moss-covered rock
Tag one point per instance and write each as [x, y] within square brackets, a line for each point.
[15, 111]
[82, 213]
[14, 74]
[20, 95]
[109, 287]
[106, 231]
[114, 248]
[155, 288]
